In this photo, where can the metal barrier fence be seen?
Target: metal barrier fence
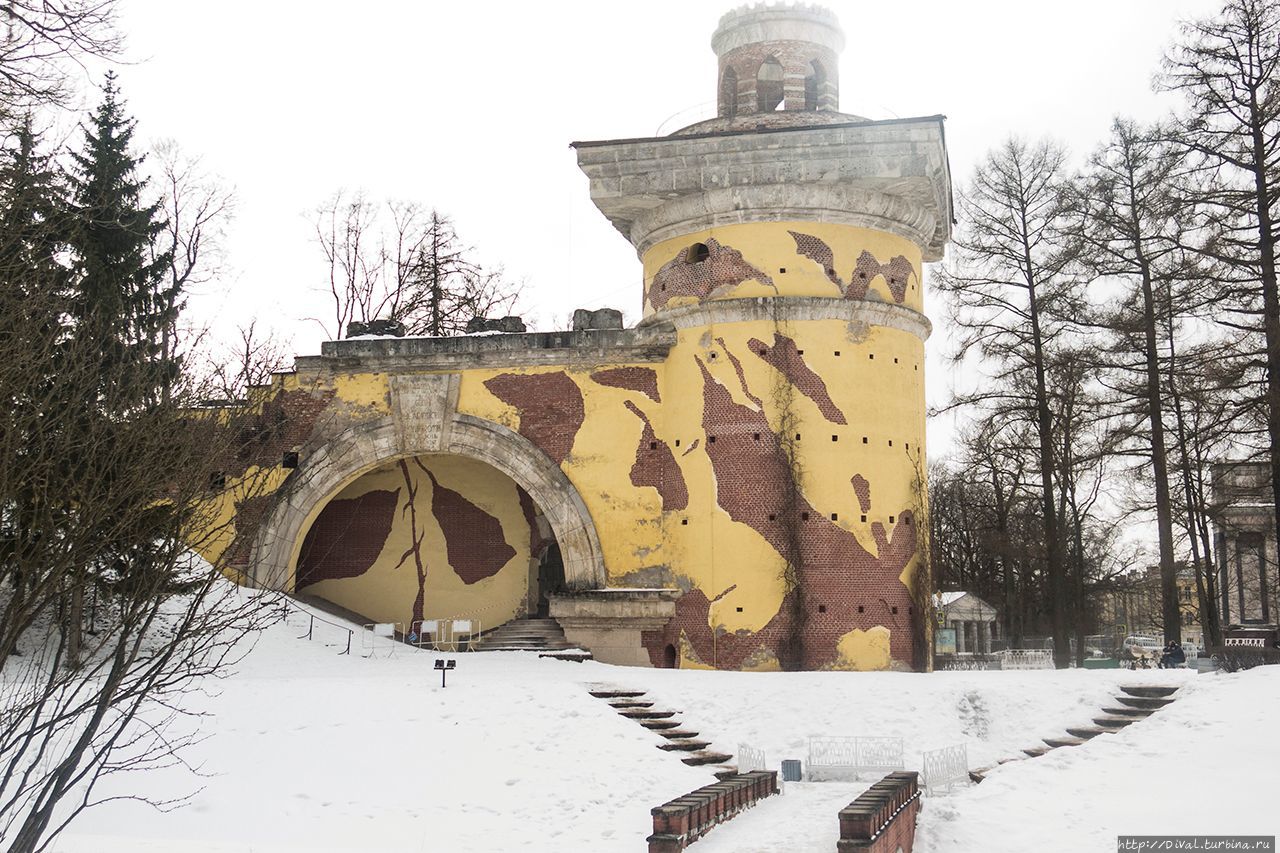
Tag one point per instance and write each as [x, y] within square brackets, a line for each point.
[444, 635]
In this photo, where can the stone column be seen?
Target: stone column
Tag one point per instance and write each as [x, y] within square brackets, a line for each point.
[984, 637]
[959, 629]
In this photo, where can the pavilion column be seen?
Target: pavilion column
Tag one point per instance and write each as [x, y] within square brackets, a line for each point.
[984, 637]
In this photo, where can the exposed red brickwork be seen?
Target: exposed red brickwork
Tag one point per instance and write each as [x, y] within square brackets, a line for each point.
[785, 357]
[530, 511]
[473, 538]
[862, 489]
[347, 537]
[261, 438]
[550, 407]
[897, 274]
[656, 466]
[722, 269]
[836, 572]
[642, 379]
[816, 250]
[883, 818]
[737, 368]
[795, 57]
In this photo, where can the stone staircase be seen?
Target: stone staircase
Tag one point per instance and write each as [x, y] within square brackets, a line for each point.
[524, 635]
[1136, 703]
[678, 739]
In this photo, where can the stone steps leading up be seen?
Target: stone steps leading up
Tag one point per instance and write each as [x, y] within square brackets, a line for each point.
[1114, 723]
[1143, 702]
[1138, 702]
[538, 635]
[677, 740]
[1148, 691]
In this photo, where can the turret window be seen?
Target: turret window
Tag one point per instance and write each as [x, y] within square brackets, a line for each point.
[769, 85]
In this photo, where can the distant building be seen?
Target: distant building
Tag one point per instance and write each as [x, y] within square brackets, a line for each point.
[1135, 607]
[973, 620]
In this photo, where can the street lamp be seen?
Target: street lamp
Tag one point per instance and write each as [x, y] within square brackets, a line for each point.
[444, 667]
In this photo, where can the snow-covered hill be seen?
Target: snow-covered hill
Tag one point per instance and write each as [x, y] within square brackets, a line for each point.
[313, 751]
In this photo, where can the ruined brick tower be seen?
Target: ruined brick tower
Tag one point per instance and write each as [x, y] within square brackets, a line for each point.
[734, 483]
[783, 240]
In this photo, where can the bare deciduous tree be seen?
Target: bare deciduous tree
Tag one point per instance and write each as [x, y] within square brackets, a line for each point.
[404, 263]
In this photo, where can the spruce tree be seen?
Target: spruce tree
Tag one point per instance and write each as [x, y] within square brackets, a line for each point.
[123, 304]
[33, 300]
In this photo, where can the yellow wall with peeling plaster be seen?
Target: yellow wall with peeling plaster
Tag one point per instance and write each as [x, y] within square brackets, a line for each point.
[882, 398]
[770, 248]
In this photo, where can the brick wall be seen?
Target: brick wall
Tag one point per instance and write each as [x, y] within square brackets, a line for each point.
[684, 820]
[883, 819]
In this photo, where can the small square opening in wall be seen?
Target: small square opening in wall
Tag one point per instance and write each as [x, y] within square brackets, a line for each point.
[871, 356]
[773, 516]
[891, 442]
[804, 516]
[894, 610]
[837, 353]
[861, 609]
[799, 352]
[895, 361]
[677, 442]
[782, 269]
[739, 609]
[289, 459]
[916, 367]
[835, 516]
[757, 436]
[653, 445]
[711, 439]
[713, 356]
[891, 519]
[835, 438]
[797, 436]
[684, 522]
[822, 608]
[864, 518]
[864, 439]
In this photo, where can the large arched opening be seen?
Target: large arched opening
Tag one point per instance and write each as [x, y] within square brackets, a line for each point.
[432, 537]
[471, 522]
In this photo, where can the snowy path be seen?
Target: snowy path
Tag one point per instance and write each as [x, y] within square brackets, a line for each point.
[803, 820]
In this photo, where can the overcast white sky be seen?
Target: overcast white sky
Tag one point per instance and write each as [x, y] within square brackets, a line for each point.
[470, 107]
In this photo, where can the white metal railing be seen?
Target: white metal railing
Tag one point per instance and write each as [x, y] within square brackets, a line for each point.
[750, 759]
[1025, 659]
[943, 768]
[838, 756]
[1260, 642]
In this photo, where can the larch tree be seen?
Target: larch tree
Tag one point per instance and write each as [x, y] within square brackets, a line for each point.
[1226, 68]
[1011, 289]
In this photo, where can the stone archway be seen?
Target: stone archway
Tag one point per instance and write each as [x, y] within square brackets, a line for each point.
[411, 431]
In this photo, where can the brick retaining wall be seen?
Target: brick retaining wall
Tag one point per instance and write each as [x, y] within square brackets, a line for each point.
[684, 820]
[883, 819]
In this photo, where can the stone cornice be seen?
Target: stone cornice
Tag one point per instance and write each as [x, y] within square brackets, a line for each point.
[535, 349]
[889, 175]
[793, 309]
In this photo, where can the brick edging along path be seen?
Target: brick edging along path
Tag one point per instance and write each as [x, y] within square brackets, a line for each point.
[682, 821]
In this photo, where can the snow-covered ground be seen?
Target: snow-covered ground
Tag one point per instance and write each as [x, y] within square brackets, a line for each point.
[313, 751]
